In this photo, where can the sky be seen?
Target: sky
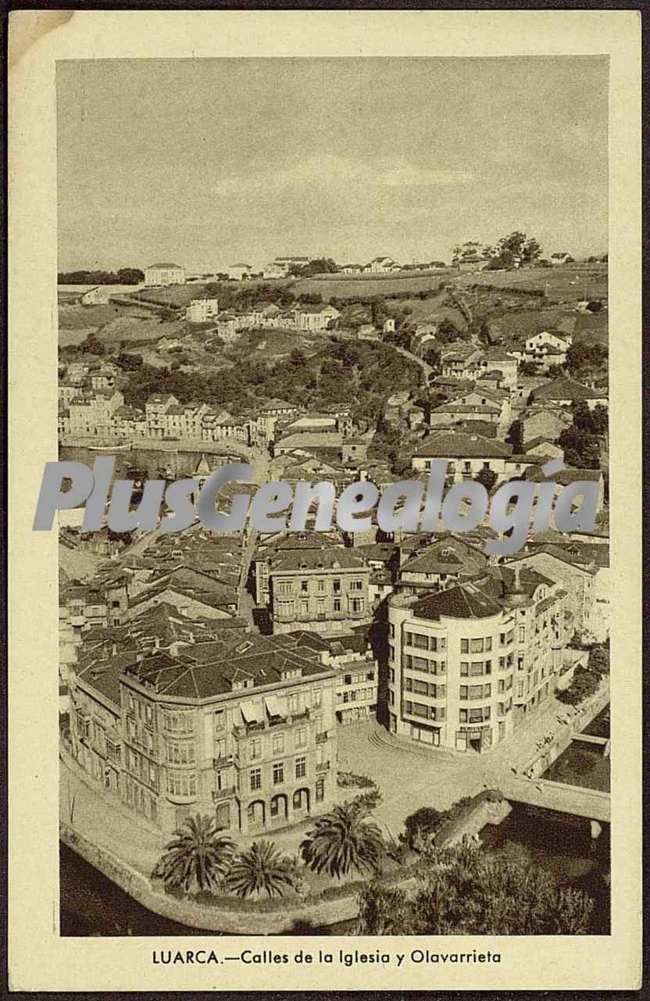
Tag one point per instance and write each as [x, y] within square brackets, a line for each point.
[210, 162]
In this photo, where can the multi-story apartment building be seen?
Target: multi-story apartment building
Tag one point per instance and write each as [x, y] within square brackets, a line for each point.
[322, 589]
[467, 455]
[91, 413]
[164, 274]
[250, 739]
[465, 663]
[155, 410]
[357, 680]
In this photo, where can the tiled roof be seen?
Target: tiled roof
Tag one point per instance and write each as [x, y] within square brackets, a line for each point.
[465, 601]
[566, 389]
[453, 445]
[330, 558]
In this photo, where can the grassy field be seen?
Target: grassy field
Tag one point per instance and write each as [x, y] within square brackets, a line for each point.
[267, 345]
[564, 283]
[349, 287]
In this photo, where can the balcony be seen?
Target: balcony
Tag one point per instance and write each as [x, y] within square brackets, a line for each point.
[220, 794]
[323, 766]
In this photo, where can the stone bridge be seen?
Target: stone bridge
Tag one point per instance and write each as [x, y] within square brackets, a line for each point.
[590, 803]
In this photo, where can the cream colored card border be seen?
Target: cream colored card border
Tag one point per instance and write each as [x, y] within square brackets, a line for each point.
[39, 958]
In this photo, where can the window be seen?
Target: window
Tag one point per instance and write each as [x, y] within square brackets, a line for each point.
[284, 587]
[304, 607]
[356, 585]
[294, 703]
[463, 691]
[320, 585]
[278, 773]
[255, 748]
[488, 644]
[178, 722]
[317, 697]
[464, 646]
[336, 586]
[181, 783]
[219, 720]
[301, 768]
[476, 646]
[304, 586]
[476, 668]
[256, 778]
[320, 790]
[181, 753]
[337, 604]
[391, 674]
[356, 605]
[301, 737]
[522, 633]
[464, 668]
[278, 743]
[285, 608]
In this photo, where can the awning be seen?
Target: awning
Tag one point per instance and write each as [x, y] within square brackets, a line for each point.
[274, 706]
[251, 712]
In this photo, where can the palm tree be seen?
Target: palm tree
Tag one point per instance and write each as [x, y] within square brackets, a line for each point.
[261, 869]
[342, 840]
[197, 854]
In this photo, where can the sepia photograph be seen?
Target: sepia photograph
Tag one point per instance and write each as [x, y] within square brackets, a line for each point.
[334, 270]
[327, 512]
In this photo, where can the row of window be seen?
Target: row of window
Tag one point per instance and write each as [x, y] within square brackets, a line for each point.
[422, 641]
[255, 774]
[181, 753]
[181, 783]
[287, 586]
[178, 721]
[422, 688]
[141, 766]
[437, 713]
[288, 608]
[279, 743]
[475, 691]
[477, 645]
[424, 664]
[356, 696]
[354, 679]
[141, 710]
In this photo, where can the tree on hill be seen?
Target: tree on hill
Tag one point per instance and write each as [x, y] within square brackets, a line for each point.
[581, 449]
[466, 891]
[586, 360]
[447, 332]
[515, 248]
[594, 421]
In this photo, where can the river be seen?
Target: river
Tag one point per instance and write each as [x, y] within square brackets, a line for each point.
[151, 461]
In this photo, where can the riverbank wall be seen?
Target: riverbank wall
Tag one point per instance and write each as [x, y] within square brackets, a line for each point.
[229, 915]
[226, 449]
[583, 717]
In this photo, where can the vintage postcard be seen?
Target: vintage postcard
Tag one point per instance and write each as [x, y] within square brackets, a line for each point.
[325, 362]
